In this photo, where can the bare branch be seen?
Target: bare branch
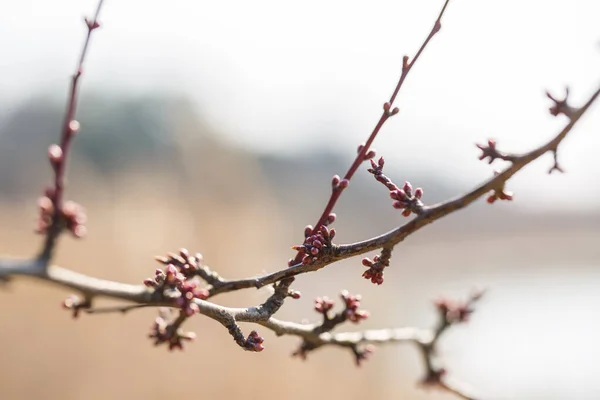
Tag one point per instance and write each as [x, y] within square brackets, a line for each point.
[364, 153]
[54, 214]
[176, 286]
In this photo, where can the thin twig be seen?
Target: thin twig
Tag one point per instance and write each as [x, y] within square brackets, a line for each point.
[116, 309]
[69, 129]
[363, 151]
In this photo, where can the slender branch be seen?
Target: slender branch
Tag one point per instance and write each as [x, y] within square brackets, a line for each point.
[116, 309]
[364, 152]
[53, 224]
[94, 286]
[316, 335]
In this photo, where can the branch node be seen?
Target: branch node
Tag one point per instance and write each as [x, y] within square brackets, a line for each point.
[499, 193]
[562, 106]
[556, 166]
[170, 333]
[376, 266]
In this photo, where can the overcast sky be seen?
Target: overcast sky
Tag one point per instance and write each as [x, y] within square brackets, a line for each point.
[281, 76]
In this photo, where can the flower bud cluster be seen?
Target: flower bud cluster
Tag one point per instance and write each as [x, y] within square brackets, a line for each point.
[405, 198]
[500, 193]
[352, 311]
[71, 214]
[376, 266]
[488, 151]
[316, 244]
[364, 354]
[163, 332]
[254, 342]
[456, 311]
[178, 275]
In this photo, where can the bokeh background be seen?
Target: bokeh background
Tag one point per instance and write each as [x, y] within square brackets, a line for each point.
[216, 126]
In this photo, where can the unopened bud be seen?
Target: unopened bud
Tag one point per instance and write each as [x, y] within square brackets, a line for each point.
[55, 154]
[335, 181]
[331, 218]
[332, 233]
[404, 62]
[74, 126]
[308, 230]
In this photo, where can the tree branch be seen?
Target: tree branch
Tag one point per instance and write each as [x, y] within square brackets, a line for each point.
[55, 215]
[314, 336]
[364, 153]
[175, 287]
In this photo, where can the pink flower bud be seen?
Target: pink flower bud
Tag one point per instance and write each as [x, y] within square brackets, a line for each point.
[308, 230]
[398, 205]
[162, 259]
[45, 204]
[150, 282]
[335, 181]
[171, 269]
[55, 154]
[79, 231]
[74, 127]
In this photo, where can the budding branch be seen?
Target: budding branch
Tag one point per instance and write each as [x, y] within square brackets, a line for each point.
[185, 285]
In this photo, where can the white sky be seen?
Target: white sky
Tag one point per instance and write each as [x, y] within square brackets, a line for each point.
[279, 76]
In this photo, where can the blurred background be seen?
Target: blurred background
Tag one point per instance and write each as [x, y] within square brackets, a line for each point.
[217, 126]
